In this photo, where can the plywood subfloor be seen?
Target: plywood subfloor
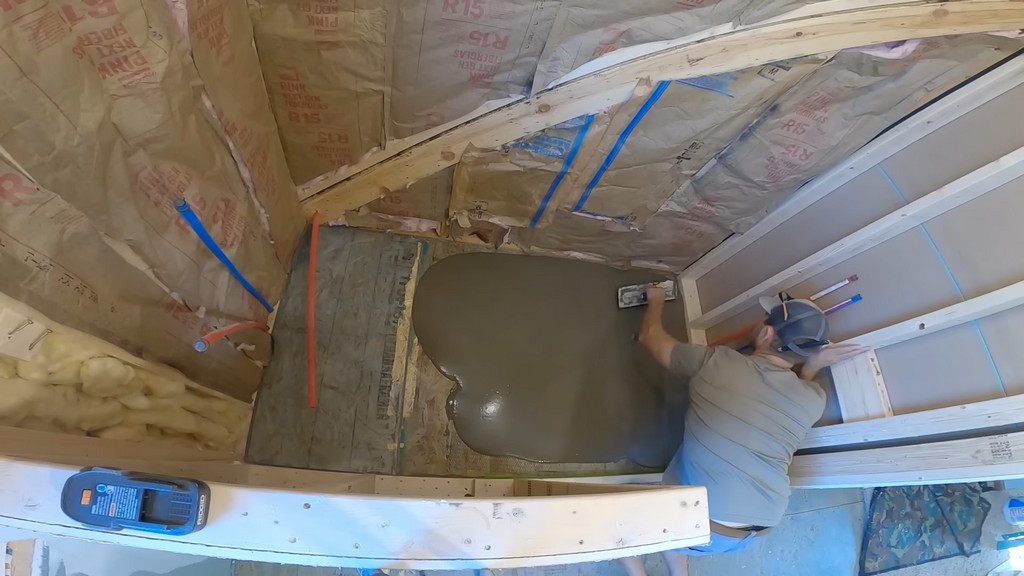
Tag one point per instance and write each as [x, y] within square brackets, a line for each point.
[382, 402]
[362, 343]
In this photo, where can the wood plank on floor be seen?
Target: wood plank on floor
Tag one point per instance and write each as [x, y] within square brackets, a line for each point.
[362, 279]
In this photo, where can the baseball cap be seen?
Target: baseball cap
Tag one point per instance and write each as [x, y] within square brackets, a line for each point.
[800, 325]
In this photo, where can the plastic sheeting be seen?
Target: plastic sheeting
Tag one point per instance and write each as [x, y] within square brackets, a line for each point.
[451, 56]
[114, 110]
[658, 141]
[826, 116]
[422, 207]
[55, 260]
[587, 29]
[525, 182]
[834, 112]
[325, 65]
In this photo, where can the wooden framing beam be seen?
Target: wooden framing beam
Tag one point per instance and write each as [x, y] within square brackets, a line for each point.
[990, 457]
[950, 196]
[948, 317]
[691, 310]
[948, 108]
[998, 457]
[815, 29]
[960, 419]
[410, 532]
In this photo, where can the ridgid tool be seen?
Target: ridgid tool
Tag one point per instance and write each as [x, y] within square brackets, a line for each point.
[113, 499]
[636, 295]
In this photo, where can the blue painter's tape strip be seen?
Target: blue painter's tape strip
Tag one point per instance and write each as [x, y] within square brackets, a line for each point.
[566, 166]
[717, 83]
[610, 159]
[204, 236]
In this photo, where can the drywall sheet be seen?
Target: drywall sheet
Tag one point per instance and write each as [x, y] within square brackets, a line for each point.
[451, 56]
[325, 66]
[942, 369]
[547, 367]
[420, 207]
[980, 240]
[835, 110]
[977, 240]
[900, 279]
[963, 145]
[526, 181]
[587, 29]
[220, 35]
[1003, 334]
[56, 261]
[102, 105]
[849, 208]
[885, 274]
[662, 138]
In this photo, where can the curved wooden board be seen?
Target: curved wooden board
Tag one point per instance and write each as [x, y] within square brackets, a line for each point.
[721, 49]
[373, 531]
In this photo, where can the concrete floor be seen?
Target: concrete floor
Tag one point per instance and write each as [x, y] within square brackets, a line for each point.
[821, 535]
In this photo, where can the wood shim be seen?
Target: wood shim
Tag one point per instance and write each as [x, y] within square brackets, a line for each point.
[860, 388]
[815, 29]
[962, 190]
[402, 532]
[931, 118]
[985, 458]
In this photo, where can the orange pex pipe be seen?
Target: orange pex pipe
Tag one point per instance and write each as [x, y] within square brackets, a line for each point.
[733, 335]
[204, 343]
[736, 334]
[314, 241]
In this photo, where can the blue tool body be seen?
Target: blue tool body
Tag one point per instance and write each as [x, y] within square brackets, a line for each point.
[114, 499]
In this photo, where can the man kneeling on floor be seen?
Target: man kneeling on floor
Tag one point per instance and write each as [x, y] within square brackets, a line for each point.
[746, 417]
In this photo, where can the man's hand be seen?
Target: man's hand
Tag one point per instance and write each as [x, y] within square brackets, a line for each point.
[655, 295]
[830, 356]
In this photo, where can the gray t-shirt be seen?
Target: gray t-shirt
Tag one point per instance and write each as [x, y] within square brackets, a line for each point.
[746, 419]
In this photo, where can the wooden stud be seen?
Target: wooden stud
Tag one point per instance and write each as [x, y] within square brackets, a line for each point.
[691, 310]
[814, 29]
[997, 457]
[948, 317]
[931, 118]
[950, 196]
[952, 420]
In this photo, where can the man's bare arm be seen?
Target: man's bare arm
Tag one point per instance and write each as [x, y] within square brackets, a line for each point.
[652, 333]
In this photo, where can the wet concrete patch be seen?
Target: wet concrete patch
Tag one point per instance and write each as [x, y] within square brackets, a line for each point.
[548, 368]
